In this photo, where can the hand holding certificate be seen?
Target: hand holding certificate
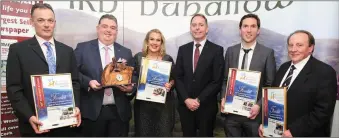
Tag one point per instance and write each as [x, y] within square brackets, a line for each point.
[241, 91]
[54, 101]
[274, 111]
[154, 75]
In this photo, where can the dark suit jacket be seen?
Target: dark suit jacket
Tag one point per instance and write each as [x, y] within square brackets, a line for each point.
[90, 68]
[26, 58]
[310, 98]
[205, 82]
[262, 60]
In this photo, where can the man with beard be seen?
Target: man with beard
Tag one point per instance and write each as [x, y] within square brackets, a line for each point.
[248, 55]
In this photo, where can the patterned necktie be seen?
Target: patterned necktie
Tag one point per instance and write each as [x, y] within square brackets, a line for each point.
[245, 58]
[108, 91]
[196, 55]
[50, 58]
[288, 79]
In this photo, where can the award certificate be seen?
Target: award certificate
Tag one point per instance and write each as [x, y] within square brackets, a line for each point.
[241, 91]
[153, 76]
[54, 100]
[274, 111]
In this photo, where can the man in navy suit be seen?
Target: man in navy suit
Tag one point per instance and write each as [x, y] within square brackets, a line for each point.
[312, 89]
[106, 111]
[198, 71]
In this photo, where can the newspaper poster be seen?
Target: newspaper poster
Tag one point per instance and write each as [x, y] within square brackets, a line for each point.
[274, 111]
[153, 76]
[241, 92]
[54, 100]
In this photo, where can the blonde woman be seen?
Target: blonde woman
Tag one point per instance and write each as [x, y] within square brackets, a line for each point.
[154, 119]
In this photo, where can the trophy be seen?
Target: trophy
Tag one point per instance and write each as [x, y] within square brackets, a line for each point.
[116, 73]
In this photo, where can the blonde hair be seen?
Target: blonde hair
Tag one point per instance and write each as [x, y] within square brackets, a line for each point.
[162, 46]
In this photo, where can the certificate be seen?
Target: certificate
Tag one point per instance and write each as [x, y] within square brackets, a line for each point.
[153, 76]
[274, 111]
[54, 100]
[241, 92]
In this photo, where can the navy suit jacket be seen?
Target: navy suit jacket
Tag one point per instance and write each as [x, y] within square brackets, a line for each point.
[310, 98]
[90, 68]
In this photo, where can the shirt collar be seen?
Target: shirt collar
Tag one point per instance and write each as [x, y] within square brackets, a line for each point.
[302, 63]
[101, 45]
[41, 41]
[251, 47]
[201, 42]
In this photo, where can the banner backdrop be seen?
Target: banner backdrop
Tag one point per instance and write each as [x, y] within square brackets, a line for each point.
[76, 22]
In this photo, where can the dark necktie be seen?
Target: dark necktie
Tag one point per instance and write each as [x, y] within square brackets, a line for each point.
[50, 58]
[196, 55]
[245, 58]
[288, 79]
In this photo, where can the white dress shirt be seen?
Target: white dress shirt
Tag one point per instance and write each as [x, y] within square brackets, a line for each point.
[107, 99]
[298, 67]
[44, 47]
[249, 56]
[200, 49]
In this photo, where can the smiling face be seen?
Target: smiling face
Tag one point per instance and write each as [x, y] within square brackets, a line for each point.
[154, 42]
[107, 31]
[249, 30]
[198, 28]
[299, 47]
[43, 21]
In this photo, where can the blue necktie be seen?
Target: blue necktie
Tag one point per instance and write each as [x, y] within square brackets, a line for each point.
[50, 58]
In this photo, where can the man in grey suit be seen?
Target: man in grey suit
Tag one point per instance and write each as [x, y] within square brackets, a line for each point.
[248, 55]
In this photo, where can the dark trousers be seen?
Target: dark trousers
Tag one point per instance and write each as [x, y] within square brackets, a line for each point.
[108, 124]
[58, 132]
[240, 126]
[203, 119]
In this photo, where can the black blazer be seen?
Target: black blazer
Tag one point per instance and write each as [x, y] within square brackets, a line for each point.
[26, 58]
[205, 82]
[90, 68]
[310, 99]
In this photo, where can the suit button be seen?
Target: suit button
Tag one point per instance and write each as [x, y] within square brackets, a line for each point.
[46, 71]
[193, 80]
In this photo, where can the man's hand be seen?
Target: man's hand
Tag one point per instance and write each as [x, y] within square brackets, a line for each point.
[168, 85]
[192, 104]
[254, 111]
[95, 85]
[126, 88]
[78, 116]
[261, 131]
[287, 133]
[35, 123]
[222, 106]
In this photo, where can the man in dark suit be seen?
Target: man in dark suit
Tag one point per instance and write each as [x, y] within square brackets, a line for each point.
[38, 55]
[312, 89]
[106, 111]
[257, 58]
[198, 80]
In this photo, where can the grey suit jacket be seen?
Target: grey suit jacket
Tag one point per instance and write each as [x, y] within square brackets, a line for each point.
[262, 60]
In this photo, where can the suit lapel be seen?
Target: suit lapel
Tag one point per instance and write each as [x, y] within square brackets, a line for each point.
[303, 75]
[189, 56]
[37, 49]
[281, 74]
[255, 57]
[236, 53]
[96, 55]
[117, 51]
[58, 52]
